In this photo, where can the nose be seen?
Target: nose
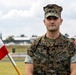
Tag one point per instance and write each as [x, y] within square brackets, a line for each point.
[52, 21]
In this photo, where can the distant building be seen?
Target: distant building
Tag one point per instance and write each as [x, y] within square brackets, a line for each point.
[20, 40]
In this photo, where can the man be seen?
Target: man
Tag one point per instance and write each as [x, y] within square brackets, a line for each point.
[52, 53]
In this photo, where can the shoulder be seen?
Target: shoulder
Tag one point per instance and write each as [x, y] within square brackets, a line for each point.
[66, 38]
[32, 48]
[70, 45]
[37, 40]
[67, 41]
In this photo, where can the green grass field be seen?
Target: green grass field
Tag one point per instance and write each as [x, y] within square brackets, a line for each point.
[18, 48]
[6, 68]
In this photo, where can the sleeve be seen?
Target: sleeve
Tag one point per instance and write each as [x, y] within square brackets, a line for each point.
[72, 52]
[28, 59]
[30, 52]
[73, 59]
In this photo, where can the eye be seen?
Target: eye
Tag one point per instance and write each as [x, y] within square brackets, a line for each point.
[55, 18]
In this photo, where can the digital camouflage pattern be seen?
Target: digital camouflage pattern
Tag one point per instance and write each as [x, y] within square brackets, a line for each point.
[52, 58]
[52, 10]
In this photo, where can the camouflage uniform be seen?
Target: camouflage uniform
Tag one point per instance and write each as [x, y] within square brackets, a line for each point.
[52, 10]
[52, 57]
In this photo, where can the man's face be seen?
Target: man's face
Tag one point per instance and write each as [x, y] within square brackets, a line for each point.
[52, 23]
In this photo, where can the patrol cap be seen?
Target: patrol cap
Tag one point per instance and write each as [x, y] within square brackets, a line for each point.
[52, 10]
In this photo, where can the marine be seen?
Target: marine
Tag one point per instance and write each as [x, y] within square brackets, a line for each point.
[52, 53]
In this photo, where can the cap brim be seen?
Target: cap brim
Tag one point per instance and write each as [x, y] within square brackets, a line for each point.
[51, 14]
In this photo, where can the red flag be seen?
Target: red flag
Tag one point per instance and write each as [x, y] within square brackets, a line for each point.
[3, 50]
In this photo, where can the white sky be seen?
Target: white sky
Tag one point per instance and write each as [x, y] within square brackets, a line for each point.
[26, 17]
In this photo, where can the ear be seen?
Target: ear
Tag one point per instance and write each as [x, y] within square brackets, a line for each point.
[61, 21]
[44, 21]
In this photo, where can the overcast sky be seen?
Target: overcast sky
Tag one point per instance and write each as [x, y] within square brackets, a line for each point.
[26, 17]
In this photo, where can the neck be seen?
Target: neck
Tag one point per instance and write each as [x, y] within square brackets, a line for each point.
[52, 35]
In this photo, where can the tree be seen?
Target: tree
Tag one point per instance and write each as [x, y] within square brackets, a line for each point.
[22, 35]
[34, 36]
[9, 39]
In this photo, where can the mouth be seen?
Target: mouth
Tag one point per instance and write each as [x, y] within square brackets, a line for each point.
[52, 25]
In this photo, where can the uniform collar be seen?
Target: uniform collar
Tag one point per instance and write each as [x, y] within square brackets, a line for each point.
[57, 41]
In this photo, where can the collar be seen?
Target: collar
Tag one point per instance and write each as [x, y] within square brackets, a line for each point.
[57, 41]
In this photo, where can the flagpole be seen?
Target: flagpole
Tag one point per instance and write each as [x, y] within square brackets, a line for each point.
[14, 64]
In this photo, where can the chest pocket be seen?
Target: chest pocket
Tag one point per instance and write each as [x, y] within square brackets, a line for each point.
[40, 56]
[64, 55]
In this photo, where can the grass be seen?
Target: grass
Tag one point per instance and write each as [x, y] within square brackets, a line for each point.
[18, 48]
[14, 58]
[6, 68]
